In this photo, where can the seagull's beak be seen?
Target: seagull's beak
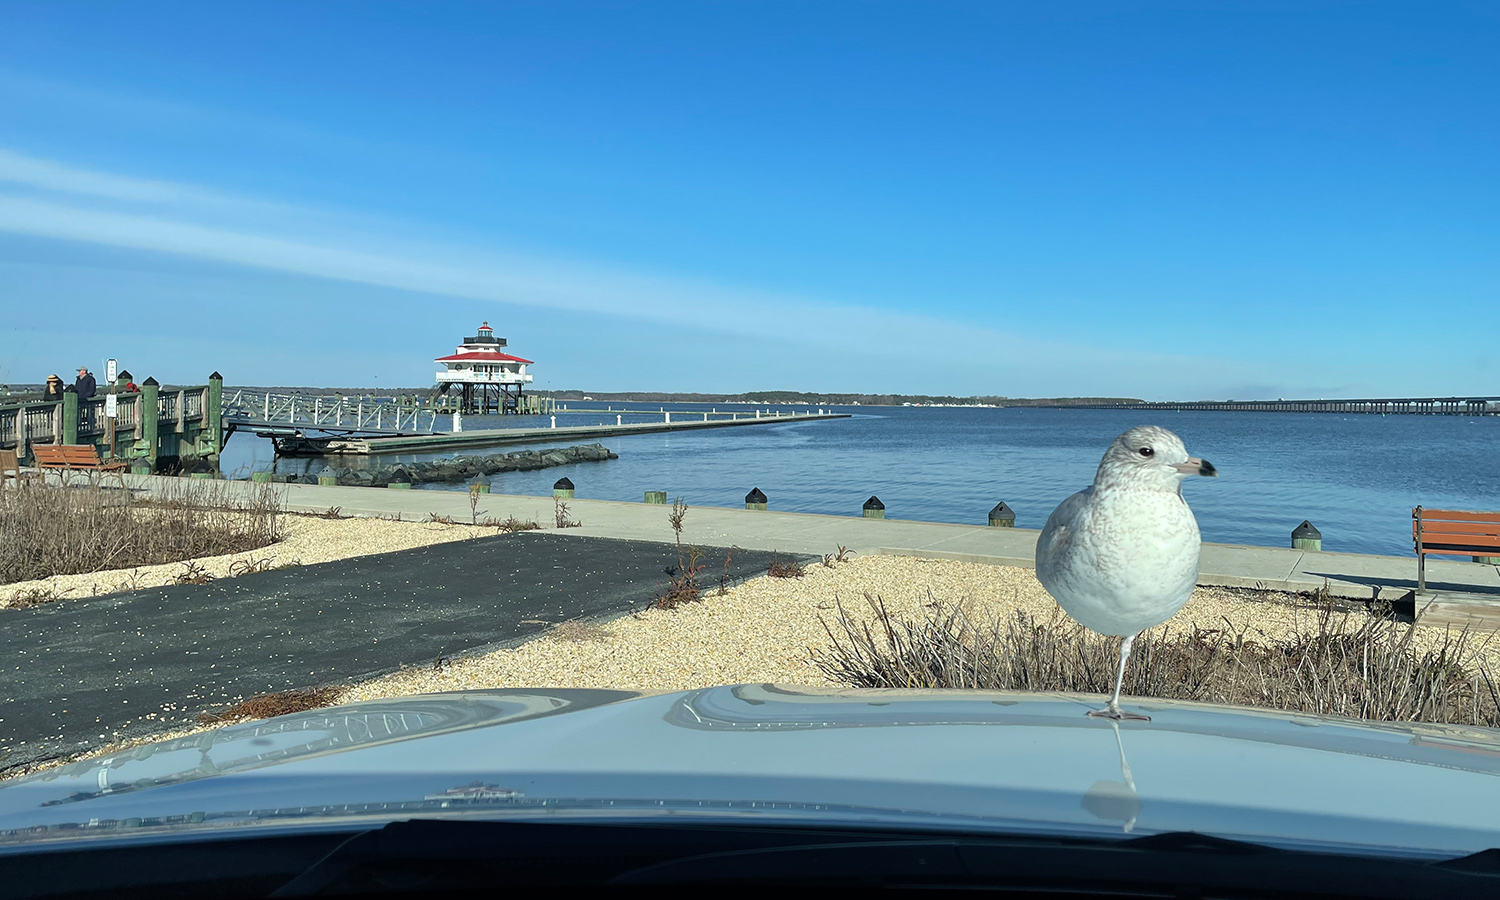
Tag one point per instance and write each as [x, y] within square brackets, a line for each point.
[1196, 466]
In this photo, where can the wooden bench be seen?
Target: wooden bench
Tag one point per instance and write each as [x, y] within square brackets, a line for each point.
[10, 466]
[72, 458]
[1454, 533]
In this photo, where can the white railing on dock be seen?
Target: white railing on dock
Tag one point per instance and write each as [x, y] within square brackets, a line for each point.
[407, 414]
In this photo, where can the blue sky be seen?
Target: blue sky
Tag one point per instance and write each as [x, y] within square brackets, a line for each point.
[1166, 200]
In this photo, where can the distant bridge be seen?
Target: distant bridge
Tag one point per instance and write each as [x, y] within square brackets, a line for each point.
[1402, 406]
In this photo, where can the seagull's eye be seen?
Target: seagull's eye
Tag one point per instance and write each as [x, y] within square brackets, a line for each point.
[1147, 451]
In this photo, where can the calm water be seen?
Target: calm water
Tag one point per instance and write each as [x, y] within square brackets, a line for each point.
[1356, 477]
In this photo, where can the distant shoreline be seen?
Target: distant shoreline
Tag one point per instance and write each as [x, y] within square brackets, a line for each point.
[773, 398]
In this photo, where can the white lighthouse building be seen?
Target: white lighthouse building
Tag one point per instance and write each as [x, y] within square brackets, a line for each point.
[490, 380]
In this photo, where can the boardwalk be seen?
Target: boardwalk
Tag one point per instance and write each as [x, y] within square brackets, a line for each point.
[491, 437]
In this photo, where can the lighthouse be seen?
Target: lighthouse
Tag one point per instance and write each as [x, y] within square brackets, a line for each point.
[489, 379]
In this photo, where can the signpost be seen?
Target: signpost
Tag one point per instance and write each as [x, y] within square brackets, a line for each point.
[111, 371]
[111, 406]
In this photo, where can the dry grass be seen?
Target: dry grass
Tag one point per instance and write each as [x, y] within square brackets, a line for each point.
[52, 530]
[35, 596]
[264, 706]
[786, 568]
[512, 524]
[562, 516]
[1338, 662]
[306, 540]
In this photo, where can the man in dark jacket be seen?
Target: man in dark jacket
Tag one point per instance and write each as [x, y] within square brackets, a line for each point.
[85, 384]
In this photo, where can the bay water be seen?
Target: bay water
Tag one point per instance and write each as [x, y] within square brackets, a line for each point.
[1356, 477]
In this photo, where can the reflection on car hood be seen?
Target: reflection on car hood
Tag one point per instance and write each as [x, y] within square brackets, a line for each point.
[951, 760]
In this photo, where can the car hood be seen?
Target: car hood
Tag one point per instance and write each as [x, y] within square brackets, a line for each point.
[949, 760]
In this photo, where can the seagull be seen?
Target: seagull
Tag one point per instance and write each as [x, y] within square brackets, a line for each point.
[1121, 555]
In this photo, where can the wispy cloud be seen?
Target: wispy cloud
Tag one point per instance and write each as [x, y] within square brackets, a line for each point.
[48, 199]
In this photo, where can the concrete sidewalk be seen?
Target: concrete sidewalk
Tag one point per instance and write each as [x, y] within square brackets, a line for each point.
[1352, 575]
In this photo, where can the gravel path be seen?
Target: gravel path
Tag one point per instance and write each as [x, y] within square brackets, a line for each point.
[762, 630]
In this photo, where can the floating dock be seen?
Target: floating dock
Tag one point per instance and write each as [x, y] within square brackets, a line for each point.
[493, 437]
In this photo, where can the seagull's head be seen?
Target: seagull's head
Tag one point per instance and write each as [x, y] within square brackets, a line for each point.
[1150, 456]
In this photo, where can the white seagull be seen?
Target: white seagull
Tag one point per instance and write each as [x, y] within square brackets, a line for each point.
[1121, 555]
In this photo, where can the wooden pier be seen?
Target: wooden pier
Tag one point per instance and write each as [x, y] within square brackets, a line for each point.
[492, 437]
[152, 423]
[1403, 406]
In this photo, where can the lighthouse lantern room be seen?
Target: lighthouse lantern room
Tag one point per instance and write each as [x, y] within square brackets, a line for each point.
[488, 378]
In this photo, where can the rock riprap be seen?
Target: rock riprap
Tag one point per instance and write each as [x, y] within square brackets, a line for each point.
[464, 468]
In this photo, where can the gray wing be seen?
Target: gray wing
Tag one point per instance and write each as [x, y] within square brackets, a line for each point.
[1061, 528]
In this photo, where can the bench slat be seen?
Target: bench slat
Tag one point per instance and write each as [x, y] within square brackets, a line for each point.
[1456, 528]
[1455, 515]
[1479, 541]
[1461, 551]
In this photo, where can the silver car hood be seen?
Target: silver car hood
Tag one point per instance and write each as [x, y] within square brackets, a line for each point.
[946, 760]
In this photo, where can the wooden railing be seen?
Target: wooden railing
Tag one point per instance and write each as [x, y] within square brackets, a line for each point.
[187, 422]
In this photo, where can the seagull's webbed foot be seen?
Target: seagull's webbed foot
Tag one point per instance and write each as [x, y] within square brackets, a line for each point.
[1115, 713]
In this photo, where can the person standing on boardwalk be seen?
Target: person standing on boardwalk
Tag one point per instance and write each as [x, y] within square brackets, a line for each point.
[54, 390]
[85, 384]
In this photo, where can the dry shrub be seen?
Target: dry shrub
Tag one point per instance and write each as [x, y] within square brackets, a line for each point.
[192, 573]
[786, 568]
[682, 582]
[264, 706]
[561, 516]
[251, 566]
[51, 529]
[1340, 663]
[513, 524]
[829, 559]
[32, 597]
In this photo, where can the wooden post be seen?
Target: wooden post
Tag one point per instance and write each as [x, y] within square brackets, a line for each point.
[874, 509]
[656, 497]
[213, 413]
[147, 412]
[23, 432]
[181, 429]
[69, 431]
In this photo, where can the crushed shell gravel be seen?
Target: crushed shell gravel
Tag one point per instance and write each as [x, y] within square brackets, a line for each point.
[308, 540]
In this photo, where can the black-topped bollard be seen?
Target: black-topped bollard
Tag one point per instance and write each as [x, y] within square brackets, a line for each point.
[874, 509]
[1002, 516]
[400, 480]
[328, 476]
[755, 499]
[563, 488]
[1306, 537]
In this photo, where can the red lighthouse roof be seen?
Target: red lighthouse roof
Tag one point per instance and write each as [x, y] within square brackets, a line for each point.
[482, 356]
